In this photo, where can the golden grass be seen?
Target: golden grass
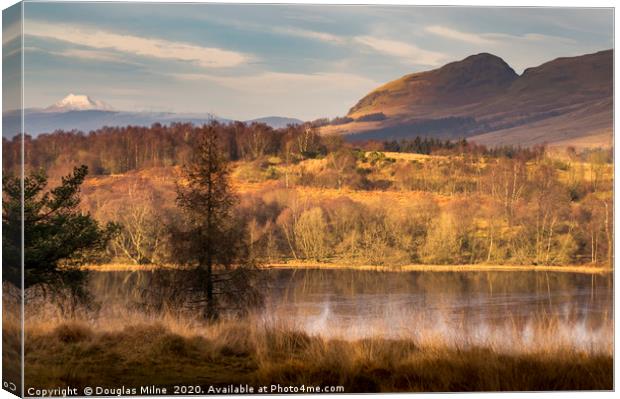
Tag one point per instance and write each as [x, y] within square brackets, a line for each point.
[374, 197]
[237, 352]
[585, 269]
[406, 156]
[11, 341]
[119, 267]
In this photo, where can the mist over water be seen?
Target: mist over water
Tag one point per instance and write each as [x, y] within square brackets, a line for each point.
[509, 311]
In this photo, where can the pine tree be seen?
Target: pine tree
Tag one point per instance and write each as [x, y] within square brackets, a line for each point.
[56, 234]
[212, 240]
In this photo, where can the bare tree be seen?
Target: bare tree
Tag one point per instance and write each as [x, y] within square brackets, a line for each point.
[308, 142]
[141, 234]
[551, 205]
[311, 234]
[343, 163]
[507, 182]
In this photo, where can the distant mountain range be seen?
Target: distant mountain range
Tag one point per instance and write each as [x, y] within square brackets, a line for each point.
[80, 112]
[567, 101]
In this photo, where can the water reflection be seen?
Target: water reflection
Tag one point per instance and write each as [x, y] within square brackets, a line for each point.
[491, 308]
[511, 309]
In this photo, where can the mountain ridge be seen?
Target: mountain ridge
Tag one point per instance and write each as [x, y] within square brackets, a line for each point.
[481, 98]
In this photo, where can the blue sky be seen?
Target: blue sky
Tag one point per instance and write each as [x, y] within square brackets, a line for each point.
[247, 61]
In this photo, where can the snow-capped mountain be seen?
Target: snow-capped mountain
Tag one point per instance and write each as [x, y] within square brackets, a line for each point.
[79, 102]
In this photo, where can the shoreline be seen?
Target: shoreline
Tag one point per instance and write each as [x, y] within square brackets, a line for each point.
[445, 268]
[581, 269]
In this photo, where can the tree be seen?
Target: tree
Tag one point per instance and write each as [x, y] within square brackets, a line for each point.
[256, 141]
[595, 220]
[343, 164]
[56, 234]
[211, 241]
[311, 234]
[309, 142]
[549, 211]
[141, 233]
[507, 181]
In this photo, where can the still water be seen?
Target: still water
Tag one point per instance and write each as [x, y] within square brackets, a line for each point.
[462, 308]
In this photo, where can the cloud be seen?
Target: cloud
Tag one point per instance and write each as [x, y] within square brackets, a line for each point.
[491, 38]
[10, 32]
[208, 57]
[90, 55]
[283, 83]
[84, 54]
[454, 34]
[532, 38]
[408, 52]
[87, 55]
[310, 34]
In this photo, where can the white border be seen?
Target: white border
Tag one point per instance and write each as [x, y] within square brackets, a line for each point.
[483, 3]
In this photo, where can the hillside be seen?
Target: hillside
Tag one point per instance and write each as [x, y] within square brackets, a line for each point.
[567, 101]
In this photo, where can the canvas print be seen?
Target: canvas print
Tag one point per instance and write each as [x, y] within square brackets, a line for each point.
[290, 199]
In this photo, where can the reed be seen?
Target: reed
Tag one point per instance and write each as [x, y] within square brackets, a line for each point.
[170, 351]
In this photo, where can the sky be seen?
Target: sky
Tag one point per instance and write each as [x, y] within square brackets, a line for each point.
[249, 61]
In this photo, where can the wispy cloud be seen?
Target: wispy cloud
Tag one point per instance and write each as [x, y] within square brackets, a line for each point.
[409, 53]
[533, 38]
[310, 34]
[82, 54]
[10, 32]
[208, 57]
[279, 82]
[454, 34]
[491, 38]
[91, 55]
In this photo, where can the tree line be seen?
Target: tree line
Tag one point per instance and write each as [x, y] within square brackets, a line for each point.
[116, 150]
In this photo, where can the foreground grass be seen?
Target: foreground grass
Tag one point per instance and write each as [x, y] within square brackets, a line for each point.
[241, 352]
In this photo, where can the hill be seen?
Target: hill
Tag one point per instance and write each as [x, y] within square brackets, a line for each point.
[567, 101]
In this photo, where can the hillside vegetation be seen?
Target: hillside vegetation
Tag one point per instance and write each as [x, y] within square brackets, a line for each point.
[306, 197]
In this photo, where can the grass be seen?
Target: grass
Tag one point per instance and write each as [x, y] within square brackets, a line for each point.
[584, 269]
[171, 352]
[11, 344]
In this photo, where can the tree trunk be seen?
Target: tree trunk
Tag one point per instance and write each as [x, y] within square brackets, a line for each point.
[211, 310]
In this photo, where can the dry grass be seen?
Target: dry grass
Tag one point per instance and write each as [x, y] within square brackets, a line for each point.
[170, 352]
[585, 269]
[118, 267]
[11, 341]
[406, 156]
